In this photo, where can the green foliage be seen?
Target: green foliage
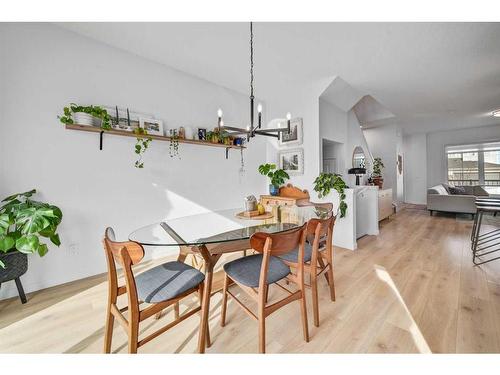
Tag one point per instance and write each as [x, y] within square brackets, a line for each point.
[378, 165]
[278, 177]
[173, 147]
[325, 182]
[141, 145]
[93, 110]
[25, 222]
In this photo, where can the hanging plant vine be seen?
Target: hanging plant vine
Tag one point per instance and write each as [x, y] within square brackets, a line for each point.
[141, 145]
[173, 148]
[327, 181]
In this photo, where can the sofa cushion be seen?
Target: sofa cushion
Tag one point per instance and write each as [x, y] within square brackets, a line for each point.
[457, 190]
[438, 189]
[447, 187]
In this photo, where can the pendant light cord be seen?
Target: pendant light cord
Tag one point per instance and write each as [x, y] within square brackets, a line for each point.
[251, 59]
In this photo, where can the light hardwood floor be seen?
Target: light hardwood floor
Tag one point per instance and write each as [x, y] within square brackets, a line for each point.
[411, 289]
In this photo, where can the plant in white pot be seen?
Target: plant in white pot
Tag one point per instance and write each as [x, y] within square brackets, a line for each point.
[24, 224]
[86, 115]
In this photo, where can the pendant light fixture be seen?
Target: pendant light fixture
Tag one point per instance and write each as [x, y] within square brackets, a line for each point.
[251, 130]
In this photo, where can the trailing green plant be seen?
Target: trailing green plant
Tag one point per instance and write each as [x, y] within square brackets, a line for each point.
[325, 182]
[24, 223]
[278, 177]
[93, 110]
[141, 145]
[378, 165]
[173, 148]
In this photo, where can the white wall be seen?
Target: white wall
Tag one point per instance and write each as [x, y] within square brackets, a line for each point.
[343, 128]
[385, 142]
[436, 142]
[43, 69]
[356, 137]
[415, 168]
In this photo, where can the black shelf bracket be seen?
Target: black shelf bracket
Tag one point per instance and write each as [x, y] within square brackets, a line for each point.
[227, 152]
[100, 140]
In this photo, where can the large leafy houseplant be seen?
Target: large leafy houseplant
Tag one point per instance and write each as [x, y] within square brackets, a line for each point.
[92, 110]
[24, 223]
[277, 177]
[377, 179]
[325, 182]
[378, 165]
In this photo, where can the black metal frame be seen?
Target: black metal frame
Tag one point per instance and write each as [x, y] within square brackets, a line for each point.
[484, 243]
[252, 130]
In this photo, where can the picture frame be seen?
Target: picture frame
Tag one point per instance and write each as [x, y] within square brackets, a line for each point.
[292, 161]
[152, 126]
[202, 134]
[119, 119]
[296, 133]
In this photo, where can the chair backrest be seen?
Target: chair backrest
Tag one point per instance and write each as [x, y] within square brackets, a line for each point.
[125, 254]
[321, 230]
[278, 243]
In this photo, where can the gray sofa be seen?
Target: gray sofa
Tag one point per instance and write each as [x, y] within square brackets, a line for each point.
[441, 198]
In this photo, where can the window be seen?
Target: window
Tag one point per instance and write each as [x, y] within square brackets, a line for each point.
[475, 165]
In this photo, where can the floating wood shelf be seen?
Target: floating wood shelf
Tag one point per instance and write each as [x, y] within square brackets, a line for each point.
[93, 129]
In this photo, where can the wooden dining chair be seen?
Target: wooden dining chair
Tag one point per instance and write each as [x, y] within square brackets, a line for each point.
[159, 287]
[318, 255]
[254, 273]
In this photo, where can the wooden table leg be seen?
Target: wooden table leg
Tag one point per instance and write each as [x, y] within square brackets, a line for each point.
[210, 261]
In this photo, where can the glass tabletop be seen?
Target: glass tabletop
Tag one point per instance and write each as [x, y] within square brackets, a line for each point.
[220, 226]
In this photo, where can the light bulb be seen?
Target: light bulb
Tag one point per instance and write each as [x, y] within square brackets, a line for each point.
[248, 128]
[221, 123]
[219, 112]
[259, 108]
[288, 116]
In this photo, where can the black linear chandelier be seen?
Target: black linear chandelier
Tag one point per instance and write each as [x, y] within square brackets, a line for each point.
[251, 131]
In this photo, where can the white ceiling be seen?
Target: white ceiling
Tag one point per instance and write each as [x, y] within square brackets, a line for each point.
[431, 76]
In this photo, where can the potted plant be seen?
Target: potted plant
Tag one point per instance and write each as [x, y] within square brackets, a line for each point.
[377, 179]
[278, 177]
[24, 223]
[325, 182]
[86, 115]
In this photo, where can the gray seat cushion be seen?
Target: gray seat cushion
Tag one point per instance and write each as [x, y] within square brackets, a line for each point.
[293, 255]
[167, 281]
[246, 270]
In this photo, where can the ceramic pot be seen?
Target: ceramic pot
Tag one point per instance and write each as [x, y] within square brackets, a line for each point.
[378, 181]
[274, 190]
[82, 118]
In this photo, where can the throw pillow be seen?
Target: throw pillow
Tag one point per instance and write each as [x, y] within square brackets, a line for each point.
[457, 190]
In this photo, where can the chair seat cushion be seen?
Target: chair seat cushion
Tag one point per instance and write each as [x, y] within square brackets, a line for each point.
[293, 255]
[167, 281]
[246, 270]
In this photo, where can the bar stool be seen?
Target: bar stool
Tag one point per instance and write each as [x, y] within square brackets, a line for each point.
[484, 243]
[483, 202]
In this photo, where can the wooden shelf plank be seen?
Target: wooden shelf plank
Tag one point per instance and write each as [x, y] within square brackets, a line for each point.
[92, 129]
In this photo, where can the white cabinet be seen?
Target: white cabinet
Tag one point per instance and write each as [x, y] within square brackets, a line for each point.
[384, 204]
[366, 210]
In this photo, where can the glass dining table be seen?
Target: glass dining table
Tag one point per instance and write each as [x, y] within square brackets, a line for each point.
[210, 235]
